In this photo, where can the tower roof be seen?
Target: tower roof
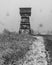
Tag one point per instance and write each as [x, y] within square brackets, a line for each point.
[25, 11]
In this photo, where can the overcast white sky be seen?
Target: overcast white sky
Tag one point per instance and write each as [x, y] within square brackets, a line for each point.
[41, 13]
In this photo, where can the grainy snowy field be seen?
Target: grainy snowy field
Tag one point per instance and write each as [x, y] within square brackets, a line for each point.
[25, 50]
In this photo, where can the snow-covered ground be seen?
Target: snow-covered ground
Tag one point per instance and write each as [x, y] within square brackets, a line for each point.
[37, 54]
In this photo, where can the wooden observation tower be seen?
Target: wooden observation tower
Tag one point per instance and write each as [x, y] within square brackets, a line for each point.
[25, 13]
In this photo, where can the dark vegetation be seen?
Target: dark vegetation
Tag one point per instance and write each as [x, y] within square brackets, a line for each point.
[48, 44]
[19, 44]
